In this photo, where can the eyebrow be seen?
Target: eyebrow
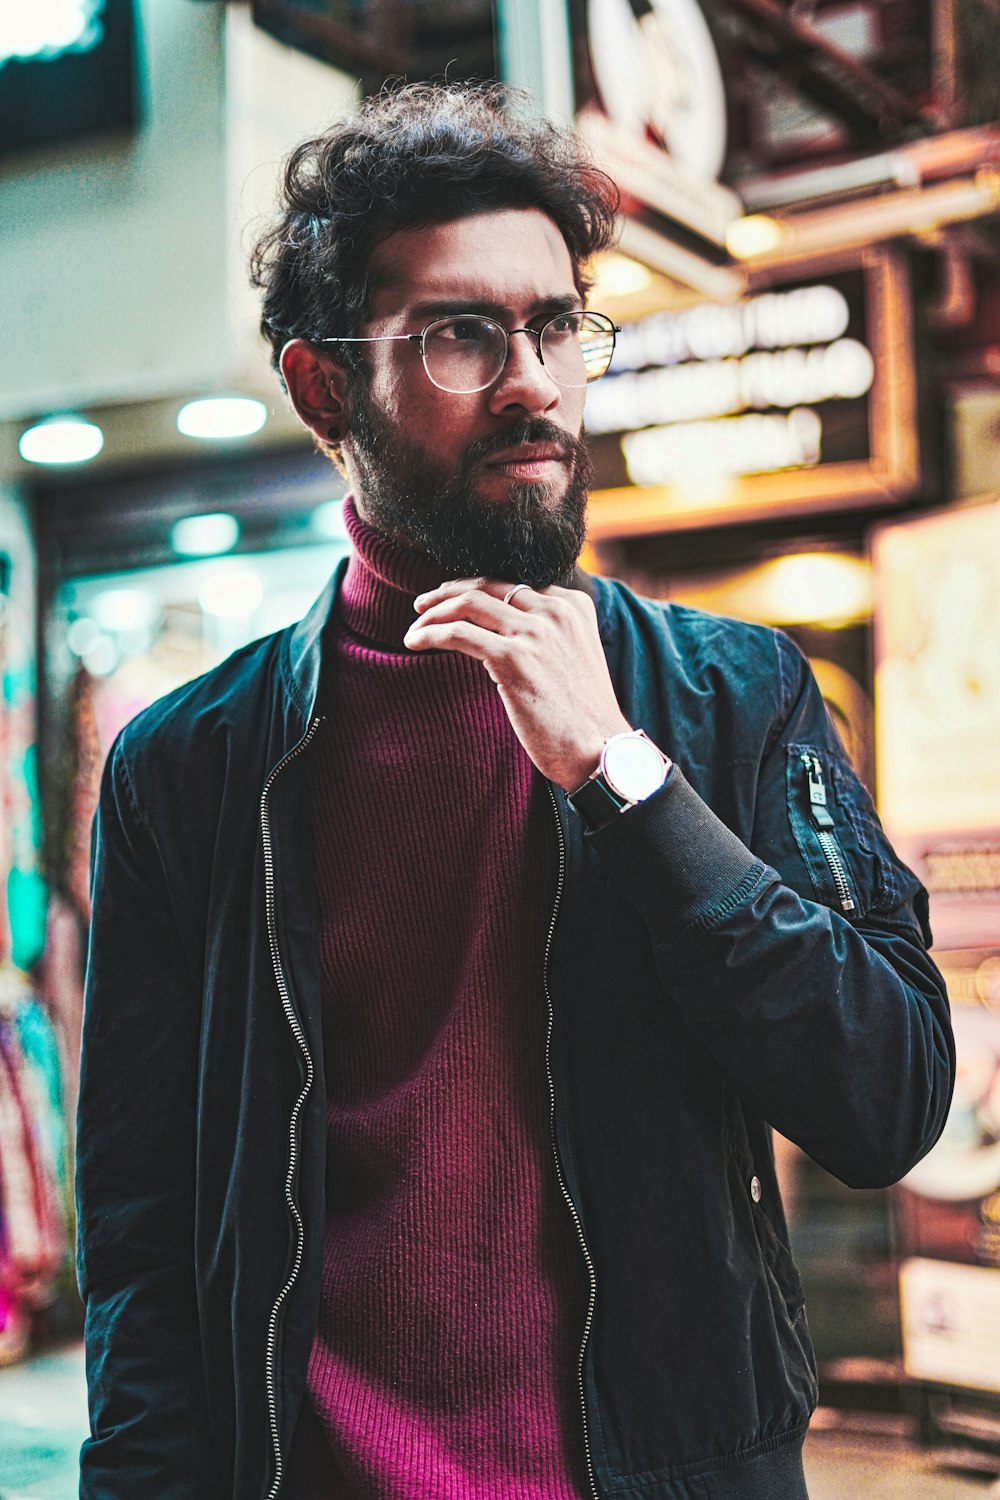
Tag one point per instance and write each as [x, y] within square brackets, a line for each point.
[442, 307]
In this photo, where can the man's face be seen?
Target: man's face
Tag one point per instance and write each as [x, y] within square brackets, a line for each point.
[493, 482]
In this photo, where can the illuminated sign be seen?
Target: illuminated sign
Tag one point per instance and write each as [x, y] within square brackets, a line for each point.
[66, 71]
[49, 28]
[651, 105]
[781, 353]
[658, 74]
[800, 395]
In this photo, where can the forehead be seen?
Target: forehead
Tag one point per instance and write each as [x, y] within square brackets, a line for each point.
[515, 257]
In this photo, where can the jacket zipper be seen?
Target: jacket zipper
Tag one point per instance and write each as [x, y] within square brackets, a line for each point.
[823, 825]
[293, 1145]
[592, 1279]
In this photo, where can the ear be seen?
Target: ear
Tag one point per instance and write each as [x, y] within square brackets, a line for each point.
[317, 389]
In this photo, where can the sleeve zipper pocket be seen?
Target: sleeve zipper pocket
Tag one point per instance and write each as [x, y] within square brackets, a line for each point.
[822, 824]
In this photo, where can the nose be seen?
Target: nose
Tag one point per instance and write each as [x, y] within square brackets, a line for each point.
[524, 382]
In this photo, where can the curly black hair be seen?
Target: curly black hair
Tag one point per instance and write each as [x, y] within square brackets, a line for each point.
[415, 154]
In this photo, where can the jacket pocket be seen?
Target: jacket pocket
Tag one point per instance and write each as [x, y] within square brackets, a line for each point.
[778, 1263]
[845, 874]
[750, 1194]
[881, 873]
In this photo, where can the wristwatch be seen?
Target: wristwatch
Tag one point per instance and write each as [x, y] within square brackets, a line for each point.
[631, 769]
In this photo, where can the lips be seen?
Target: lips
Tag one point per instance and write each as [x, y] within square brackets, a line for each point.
[533, 453]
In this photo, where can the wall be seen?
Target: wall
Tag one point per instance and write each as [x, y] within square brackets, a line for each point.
[125, 273]
[275, 97]
[112, 272]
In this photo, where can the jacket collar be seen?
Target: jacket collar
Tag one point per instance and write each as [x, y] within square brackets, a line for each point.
[302, 652]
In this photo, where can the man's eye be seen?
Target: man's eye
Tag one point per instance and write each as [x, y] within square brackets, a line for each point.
[468, 330]
[564, 327]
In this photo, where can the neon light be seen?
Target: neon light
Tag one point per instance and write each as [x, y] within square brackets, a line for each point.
[222, 417]
[61, 440]
[46, 29]
[205, 535]
[757, 443]
[712, 330]
[783, 378]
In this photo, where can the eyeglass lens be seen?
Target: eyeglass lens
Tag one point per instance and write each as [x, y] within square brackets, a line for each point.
[467, 353]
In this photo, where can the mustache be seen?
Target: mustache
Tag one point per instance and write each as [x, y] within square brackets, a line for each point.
[537, 430]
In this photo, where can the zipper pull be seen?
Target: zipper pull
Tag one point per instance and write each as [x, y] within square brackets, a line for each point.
[817, 791]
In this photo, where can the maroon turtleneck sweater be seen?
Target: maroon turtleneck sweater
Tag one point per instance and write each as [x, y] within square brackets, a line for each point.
[445, 1360]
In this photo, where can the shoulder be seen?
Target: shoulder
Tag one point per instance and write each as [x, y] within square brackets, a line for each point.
[197, 725]
[701, 650]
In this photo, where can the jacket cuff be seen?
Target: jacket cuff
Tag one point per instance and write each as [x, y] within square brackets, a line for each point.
[675, 860]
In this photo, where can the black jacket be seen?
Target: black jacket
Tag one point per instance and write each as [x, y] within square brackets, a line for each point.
[727, 953]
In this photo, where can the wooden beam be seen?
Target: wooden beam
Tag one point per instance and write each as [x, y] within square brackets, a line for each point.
[826, 71]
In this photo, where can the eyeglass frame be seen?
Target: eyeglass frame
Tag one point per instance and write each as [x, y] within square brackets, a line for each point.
[508, 333]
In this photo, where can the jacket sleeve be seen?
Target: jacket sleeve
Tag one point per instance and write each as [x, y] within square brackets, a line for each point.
[832, 1022]
[135, 1174]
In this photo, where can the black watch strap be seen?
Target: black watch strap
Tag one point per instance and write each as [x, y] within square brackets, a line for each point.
[595, 803]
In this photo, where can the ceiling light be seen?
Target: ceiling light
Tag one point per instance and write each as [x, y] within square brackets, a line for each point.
[231, 596]
[124, 609]
[754, 234]
[205, 536]
[619, 275]
[61, 440]
[221, 417]
[814, 588]
[82, 635]
[102, 658]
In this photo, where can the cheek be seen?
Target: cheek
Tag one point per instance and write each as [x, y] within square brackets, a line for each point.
[401, 389]
[387, 386]
[442, 421]
[574, 402]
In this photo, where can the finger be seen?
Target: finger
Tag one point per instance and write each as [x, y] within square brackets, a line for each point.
[453, 586]
[457, 635]
[521, 596]
[477, 607]
[495, 588]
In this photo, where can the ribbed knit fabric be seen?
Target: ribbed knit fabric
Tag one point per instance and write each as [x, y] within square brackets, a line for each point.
[453, 1305]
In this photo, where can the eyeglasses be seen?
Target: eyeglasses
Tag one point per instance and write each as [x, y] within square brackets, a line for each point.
[468, 352]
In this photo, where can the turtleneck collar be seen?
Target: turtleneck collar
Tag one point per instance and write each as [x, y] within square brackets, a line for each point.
[381, 582]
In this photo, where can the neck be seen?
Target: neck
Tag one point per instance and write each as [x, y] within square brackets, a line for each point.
[382, 580]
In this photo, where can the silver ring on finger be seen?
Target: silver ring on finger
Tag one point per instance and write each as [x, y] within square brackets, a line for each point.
[512, 591]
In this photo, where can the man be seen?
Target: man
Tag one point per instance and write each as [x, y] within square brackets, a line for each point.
[454, 951]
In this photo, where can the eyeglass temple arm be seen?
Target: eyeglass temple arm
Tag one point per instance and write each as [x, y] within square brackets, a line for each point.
[417, 338]
[375, 338]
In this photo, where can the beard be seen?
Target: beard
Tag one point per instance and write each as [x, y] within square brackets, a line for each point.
[532, 536]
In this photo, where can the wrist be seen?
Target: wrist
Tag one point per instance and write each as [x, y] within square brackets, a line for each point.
[588, 760]
[631, 768]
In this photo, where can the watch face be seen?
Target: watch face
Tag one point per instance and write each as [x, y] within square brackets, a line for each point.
[633, 767]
